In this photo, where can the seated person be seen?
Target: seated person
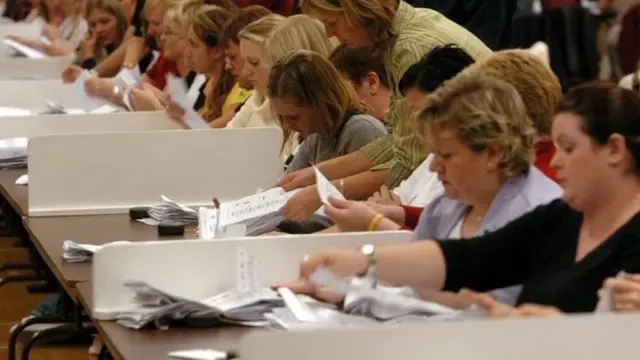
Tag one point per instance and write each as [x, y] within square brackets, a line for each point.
[561, 252]
[63, 28]
[363, 67]
[107, 27]
[309, 97]
[234, 63]
[206, 54]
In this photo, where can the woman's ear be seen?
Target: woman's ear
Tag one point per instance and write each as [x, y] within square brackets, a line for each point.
[373, 82]
[616, 149]
[217, 53]
[494, 155]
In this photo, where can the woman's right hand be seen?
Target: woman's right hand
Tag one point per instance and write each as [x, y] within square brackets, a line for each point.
[384, 196]
[71, 73]
[345, 263]
[298, 179]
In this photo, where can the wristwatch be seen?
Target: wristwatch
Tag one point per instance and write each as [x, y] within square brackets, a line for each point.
[368, 250]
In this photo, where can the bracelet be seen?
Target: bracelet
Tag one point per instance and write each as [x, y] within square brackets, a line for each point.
[128, 66]
[373, 224]
[342, 186]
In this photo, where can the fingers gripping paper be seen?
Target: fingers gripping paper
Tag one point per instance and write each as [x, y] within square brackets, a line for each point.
[326, 188]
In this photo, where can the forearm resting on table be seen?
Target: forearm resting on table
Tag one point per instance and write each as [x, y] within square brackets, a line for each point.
[445, 298]
[343, 166]
[419, 265]
[362, 185]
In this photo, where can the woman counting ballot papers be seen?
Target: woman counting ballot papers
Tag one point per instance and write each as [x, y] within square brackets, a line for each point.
[561, 252]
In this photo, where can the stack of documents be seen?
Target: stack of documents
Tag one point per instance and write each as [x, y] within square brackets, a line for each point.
[259, 213]
[74, 252]
[238, 306]
[171, 213]
[13, 152]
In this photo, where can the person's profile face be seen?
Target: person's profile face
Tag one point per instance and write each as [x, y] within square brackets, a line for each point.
[234, 64]
[582, 166]
[336, 25]
[462, 171]
[103, 25]
[254, 70]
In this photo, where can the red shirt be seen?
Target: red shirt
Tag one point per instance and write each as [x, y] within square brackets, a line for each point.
[158, 72]
[545, 150]
[282, 7]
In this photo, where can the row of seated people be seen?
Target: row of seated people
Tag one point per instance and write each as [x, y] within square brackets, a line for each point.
[532, 240]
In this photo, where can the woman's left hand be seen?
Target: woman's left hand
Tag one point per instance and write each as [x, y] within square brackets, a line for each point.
[302, 205]
[625, 292]
[349, 215]
[495, 309]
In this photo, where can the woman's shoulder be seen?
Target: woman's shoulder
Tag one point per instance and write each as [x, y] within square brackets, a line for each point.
[364, 122]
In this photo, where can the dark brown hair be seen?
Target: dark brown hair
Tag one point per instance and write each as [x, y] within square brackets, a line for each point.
[356, 63]
[607, 109]
[239, 21]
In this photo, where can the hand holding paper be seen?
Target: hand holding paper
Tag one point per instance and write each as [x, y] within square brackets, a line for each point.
[178, 95]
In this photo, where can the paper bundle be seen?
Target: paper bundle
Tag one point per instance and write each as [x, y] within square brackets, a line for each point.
[74, 252]
[171, 213]
[158, 307]
[13, 152]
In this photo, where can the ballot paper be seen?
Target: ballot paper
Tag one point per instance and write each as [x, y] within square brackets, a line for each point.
[13, 153]
[298, 314]
[178, 94]
[245, 304]
[87, 103]
[22, 180]
[171, 212]
[322, 276]
[74, 252]
[199, 354]
[326, 188]
[25, 50]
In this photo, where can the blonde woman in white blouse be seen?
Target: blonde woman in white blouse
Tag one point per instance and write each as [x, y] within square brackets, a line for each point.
[263, 43]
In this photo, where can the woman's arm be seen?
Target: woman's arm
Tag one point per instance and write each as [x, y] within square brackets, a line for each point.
[112, 64]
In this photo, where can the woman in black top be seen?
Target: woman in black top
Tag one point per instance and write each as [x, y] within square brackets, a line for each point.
[561, 252]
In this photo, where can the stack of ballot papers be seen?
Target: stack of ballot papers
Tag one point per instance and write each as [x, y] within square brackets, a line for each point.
[74, 252]
[259, 213]
[237, 306]
[13, 152]
[171, 213]
[298, 314]
[255, 215]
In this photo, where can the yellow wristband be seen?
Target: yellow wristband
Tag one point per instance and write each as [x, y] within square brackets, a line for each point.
[374, 222]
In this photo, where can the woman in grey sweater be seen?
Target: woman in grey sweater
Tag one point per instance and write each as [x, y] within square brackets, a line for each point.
[310, 97]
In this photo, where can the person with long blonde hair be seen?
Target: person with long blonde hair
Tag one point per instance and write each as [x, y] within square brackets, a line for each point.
[206, 56]
[263, 43]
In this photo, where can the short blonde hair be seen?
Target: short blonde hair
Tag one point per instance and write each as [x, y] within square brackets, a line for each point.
[298, 32]
[258, 30]
[481, 110]
[376, 17]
